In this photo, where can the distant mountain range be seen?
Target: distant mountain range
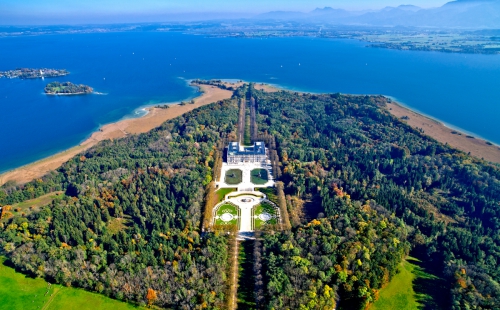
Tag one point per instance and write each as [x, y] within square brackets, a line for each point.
[455, 14]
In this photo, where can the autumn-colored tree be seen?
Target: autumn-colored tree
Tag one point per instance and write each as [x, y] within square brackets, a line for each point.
[151, 296]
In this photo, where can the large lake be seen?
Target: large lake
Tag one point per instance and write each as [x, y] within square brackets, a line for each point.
[138, 69]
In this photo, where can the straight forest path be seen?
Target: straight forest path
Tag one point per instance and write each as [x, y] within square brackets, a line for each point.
[241, 121]
[233, 290]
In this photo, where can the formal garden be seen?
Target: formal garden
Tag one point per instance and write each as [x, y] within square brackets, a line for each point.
[265, 213]
[227, 214]
[259, 176]
[233, 177]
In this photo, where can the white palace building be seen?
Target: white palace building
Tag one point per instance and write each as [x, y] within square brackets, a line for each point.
[237, 153]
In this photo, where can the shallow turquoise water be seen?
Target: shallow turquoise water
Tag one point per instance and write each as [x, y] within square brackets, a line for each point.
[143, 68]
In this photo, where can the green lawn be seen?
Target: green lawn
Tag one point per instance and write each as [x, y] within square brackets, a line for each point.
[233, 177]
[227, 208]
[259, 176]
[400, 292]
[246, 278]
[20, 292]
[221, 193]
[247, 139]
[264, 208]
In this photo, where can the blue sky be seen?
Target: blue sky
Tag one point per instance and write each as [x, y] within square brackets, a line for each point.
[78, 11]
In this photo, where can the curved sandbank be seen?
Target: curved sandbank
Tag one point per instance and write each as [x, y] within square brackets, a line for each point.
[154, 118]
[435, 129]
[463, 141]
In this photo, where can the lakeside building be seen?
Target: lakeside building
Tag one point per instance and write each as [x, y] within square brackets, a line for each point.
[237, 153]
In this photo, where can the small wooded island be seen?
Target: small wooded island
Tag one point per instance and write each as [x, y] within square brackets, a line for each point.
[67, 88]
[31, 73]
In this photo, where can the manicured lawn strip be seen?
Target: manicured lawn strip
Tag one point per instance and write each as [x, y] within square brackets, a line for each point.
[17, 291]
[221, 193]
[247, 140]
[400, 293]
[259, 176]
[246, 279]
[227, 208]
[233, 177]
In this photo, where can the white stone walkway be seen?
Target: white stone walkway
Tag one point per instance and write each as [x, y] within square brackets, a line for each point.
[246, 203]
[246, 168]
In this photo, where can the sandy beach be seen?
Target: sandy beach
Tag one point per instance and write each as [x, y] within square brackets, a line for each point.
[157, 116]
[153, 119]
[477, 147]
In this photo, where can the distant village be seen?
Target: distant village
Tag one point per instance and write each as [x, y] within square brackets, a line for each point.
[30, 73]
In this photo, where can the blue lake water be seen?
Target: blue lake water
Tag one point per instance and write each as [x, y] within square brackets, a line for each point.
[143, 68]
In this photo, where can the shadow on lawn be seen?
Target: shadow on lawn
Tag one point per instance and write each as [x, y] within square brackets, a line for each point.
[7, 263]
[431, 292]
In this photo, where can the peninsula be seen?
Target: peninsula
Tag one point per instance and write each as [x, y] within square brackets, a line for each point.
[245, 200]
[67, 88]
[30, 73]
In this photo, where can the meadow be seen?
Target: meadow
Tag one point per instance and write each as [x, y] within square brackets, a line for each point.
[19, 292]
[404, 292]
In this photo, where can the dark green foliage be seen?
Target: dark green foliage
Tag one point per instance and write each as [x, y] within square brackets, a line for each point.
[67, 88]
[472, 288]
[130, 220]
[341, 145]
[353, 253]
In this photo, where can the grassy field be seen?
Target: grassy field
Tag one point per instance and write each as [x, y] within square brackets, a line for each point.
[404, 291]
[259, 176]
[20, 292]
[227, 208]
[233, 177]
[221, 193]
[33, 205]
[264, 208]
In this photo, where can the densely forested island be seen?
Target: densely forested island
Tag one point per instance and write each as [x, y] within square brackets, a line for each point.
[359, 190]
[30, 73]
[67, 88]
